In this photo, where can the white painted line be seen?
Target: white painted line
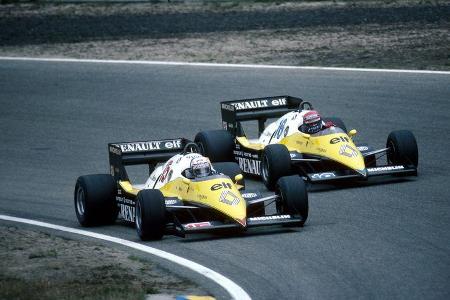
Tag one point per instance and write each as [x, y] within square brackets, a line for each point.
[235, 291]
[194, 64]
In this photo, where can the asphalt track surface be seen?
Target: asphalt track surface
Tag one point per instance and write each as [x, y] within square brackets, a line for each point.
[385, 239]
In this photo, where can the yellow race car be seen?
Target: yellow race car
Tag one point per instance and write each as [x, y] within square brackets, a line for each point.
[184, 193]
[300, 142]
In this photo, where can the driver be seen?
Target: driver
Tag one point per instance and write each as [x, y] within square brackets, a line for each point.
[313, 123]
[200, 167]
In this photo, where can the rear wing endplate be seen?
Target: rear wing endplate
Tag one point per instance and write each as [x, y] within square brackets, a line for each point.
[235, 111]
[142, 152]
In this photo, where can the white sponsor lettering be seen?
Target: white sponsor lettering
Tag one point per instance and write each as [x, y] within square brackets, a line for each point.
[267, 218]
[323, 175]
[250, 165]
[251, 104]
[249, 195]
[388, 168]
[227, 107]
[278, 102]
[141, 146]
[173, 144]
[115, 150]
[127, 212]
[197, 225]
[171, 201]
[363, 148]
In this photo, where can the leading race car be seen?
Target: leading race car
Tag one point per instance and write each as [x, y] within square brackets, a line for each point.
[183, 194]
[301, 142]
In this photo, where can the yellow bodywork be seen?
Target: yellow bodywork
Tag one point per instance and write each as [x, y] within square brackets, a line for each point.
[338, 147]
[218, 192]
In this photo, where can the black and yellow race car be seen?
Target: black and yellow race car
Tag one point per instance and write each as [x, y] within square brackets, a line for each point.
[282, 148]
[184, 193]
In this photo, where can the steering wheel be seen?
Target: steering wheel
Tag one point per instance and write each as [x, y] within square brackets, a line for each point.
[191, 148]
[305, 106]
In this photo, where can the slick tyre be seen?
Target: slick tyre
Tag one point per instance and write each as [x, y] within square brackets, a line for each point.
[95, 199]
[217, 145]
[150, 215]
[402, 148]
[230, 169]
[293, 198]
[276, 162]
[337, 122]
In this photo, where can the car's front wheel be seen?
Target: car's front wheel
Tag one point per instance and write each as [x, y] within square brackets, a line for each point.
[293, 197]
[402, 148]
[275, 163]
[150, 214]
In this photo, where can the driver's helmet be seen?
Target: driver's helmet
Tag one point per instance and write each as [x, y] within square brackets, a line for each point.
[200, 167]
[312, 122]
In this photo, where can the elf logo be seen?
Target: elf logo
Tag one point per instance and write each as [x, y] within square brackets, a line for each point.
[339, 139]
[218, 186]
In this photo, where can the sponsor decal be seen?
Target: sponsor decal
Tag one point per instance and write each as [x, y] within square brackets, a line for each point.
[387, 168]
[166, 171]
[348, 151]
[323, 175]
[229, 198]
[227, 107]
[263, 103]
[322, 150]
[267, 218]
[249, 195]
[339, 139]
[171, 201]
[127, 212]
[251, 166]
[218, 186]
[114, 150]
[149, 146]
[197, 225]
[293, 155]
[362, 148]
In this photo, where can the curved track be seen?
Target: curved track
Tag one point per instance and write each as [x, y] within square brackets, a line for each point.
[388, 239]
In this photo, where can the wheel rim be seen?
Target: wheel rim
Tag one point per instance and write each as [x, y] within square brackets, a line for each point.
[265, 170]
[80, 201]
[138, 216]
[391, 155]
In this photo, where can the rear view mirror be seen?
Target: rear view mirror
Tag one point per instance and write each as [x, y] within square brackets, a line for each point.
[238, 177]
[352, 132]
[305, 135]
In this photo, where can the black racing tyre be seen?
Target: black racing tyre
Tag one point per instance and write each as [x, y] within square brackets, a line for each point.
[217, 145]
[402, 148]
[95, 199]
[337, 122]
[230, 169]
[275, 163]
[294, 197]
[150, 214]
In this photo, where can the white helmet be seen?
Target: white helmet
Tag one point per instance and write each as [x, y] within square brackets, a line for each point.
[200, 167]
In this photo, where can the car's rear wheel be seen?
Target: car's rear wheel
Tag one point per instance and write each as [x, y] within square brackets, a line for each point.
[402, 148]
[95, 199]
[293, 197]
[337, 122]
[230, 169]
[150, 214]
[275, 163]
[217, 145]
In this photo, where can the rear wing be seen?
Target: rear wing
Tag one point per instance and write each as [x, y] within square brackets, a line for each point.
[235, 111]
[143, 152]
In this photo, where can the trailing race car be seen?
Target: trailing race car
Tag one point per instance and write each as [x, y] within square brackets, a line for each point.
[301, 142]
[183, 194]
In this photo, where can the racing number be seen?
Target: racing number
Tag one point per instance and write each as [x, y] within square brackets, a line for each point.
[280, 128]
